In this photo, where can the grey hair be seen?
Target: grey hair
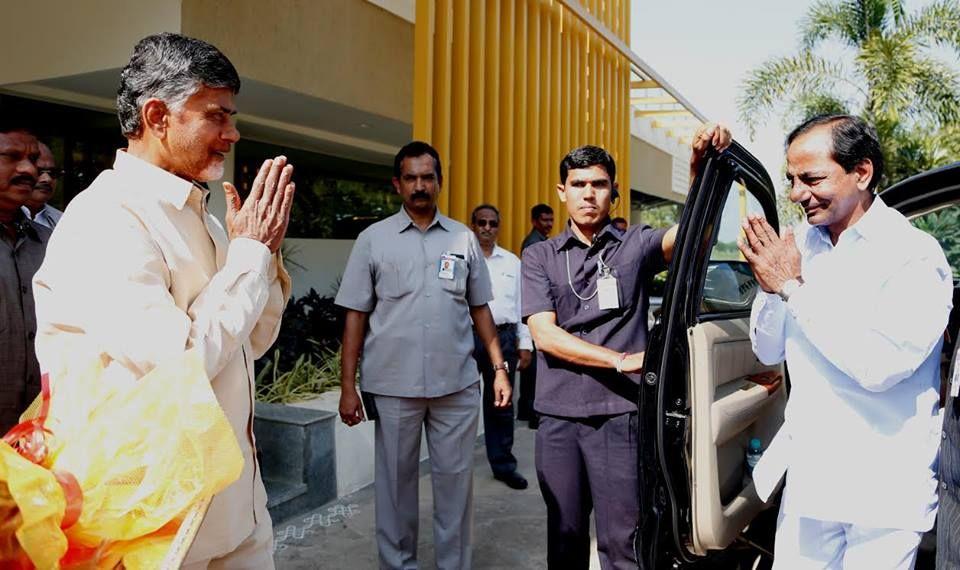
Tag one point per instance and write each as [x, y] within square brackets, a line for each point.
[169, 67]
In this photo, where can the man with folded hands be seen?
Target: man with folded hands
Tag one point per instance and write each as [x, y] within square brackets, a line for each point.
[139, 271]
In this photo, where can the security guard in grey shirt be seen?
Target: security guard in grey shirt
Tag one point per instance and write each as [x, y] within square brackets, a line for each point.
[412, 285]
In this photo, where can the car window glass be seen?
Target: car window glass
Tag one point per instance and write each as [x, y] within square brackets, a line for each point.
[729, 285]
[657, 213]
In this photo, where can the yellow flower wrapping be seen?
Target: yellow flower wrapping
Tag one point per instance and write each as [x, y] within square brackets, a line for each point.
[143, 453]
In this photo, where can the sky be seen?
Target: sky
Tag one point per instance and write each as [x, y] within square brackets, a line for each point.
[705, 48]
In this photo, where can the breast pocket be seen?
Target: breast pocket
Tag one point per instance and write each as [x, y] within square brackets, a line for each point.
[630, 283]
[458, 285]
[509, 295]
[397, 279]
[566, 304]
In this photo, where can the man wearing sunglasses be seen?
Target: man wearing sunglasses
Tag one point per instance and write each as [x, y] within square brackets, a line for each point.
[515, 343]
[36, 207]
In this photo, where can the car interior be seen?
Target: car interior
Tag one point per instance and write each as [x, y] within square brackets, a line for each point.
[734, 398]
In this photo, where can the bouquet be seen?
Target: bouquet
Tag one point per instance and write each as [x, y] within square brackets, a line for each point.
[106, 473]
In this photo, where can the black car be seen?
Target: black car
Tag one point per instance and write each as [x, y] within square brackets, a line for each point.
[705, 395]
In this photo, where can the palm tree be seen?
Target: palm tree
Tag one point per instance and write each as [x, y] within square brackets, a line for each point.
[894, 79]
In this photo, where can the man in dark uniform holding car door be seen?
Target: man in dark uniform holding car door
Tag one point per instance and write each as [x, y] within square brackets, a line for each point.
[585, 304]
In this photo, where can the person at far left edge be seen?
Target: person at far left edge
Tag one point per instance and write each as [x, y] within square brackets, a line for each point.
[22, 247]
[414, 286]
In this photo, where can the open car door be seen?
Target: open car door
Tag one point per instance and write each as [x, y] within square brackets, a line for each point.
[704, 394]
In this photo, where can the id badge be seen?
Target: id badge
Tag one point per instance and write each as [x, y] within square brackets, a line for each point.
[448, 266]
[607, 293]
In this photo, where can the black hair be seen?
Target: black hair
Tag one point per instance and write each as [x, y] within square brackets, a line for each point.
[586, 156]
[412, 150]
[853, 141]
[491, 207]
[539, 210]
[12, 124]
[170, 67]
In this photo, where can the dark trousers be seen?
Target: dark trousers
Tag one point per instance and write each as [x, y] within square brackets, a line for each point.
[948, 515]
[528, 389]
[497, 422]
[586, 464]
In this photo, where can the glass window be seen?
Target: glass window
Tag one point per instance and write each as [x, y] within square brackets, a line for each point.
[656, 212]
[729, 285]
[84, 143]
[336, 198]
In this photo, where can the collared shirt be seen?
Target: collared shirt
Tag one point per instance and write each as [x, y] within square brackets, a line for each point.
[19, 374]
[862, 339]
[139, 271]
[47, 217]
[504, 269]
[420, 338]
[533, 237]
[566, 389]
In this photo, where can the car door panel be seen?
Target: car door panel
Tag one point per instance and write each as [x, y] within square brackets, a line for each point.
[705, 395]
[723, 362]
[728, 410]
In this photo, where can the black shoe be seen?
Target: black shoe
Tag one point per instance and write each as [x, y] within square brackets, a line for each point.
[534, 422]
[513, 480]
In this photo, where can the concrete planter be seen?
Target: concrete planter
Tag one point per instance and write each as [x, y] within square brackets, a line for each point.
[354, 445]
[297, 451]
[309, 457]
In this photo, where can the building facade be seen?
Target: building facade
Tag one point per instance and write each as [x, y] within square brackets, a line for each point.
[334, 86]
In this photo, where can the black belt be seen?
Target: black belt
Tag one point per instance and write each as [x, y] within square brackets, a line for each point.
[507, 327]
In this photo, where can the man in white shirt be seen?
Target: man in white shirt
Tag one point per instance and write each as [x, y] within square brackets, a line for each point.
[138, 271]
[36, 208]
[515, 343]
[856, 303]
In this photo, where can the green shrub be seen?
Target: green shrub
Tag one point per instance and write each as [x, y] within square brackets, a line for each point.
[309, 322]
[312, 374]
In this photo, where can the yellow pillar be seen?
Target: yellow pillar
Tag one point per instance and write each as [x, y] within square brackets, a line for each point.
[504, 88]
[508, 235]
[493, 190]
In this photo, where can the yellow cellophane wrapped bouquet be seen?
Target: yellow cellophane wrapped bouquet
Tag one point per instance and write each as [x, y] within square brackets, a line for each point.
[102, 474]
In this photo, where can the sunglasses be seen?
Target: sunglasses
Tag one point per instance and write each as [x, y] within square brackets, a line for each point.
[488, 223]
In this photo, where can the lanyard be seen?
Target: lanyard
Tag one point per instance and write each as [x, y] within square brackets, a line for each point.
[603, 270]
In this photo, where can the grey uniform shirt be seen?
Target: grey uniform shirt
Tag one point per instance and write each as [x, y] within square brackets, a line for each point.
[420, 338]
[20, 373]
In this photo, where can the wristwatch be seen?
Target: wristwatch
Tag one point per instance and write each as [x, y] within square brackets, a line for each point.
[788, 288]
[505, 366]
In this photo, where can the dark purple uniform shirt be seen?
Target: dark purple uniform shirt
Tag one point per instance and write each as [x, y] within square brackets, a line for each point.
[635, 255]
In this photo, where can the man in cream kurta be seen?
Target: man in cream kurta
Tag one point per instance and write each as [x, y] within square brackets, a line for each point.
[140, 272]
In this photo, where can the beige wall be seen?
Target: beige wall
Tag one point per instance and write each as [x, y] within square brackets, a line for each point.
[52, 38]
[651, 170]
[347, 51]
